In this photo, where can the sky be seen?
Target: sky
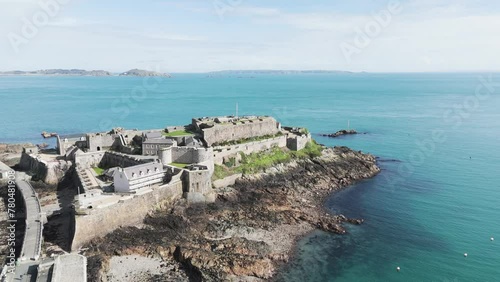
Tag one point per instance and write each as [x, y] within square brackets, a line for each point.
[210, 35]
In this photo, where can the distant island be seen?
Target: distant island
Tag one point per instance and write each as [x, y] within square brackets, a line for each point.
[280, 72]
[72, 72]
[80, 72]
[142, 73]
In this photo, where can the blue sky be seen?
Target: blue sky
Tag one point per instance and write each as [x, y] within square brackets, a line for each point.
[206, 35]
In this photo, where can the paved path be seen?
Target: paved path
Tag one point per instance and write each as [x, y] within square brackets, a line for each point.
[32, 242]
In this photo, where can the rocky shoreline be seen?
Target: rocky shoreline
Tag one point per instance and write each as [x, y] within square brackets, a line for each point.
[248, 232]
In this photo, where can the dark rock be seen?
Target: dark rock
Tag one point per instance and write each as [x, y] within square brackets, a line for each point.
[340, 133]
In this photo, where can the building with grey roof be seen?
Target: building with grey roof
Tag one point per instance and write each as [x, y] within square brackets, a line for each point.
[140, 176]
[150, 147]
[152, 135]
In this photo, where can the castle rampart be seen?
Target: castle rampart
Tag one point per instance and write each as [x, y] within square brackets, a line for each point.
[129, 211]
[224, 129]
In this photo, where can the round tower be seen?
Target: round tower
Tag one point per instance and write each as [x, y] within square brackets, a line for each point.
[165, 155]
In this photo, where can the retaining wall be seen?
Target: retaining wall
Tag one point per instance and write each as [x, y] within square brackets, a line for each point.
[125, 213]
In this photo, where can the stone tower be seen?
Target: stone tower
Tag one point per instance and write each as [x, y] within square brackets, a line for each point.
[165, 155]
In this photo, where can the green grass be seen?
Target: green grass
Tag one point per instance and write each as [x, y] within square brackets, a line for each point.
[311, 150]
[179, 165]
[177, 133]
[98, 170]
[258, 162]
[221, 171]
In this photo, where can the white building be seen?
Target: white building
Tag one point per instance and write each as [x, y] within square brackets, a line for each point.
[135, 177]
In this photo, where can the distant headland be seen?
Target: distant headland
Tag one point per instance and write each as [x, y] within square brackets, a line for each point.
[80, 72]
[146, 73]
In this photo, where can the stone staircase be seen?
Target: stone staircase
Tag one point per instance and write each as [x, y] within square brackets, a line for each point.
[87, 179]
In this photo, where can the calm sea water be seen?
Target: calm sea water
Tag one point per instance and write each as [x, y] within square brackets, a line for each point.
[436, 198]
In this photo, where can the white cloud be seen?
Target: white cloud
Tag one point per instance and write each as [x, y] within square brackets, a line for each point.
[426, 36]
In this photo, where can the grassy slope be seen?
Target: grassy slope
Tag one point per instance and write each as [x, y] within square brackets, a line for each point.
[257, 162]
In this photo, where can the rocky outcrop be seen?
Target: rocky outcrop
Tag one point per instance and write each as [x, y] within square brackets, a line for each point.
[340, 133]
[13, 148]
[49, 172]
[252, 227]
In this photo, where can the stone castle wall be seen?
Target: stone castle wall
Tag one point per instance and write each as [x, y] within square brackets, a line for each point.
[297, 143]
[127, 213]
[247, 148]
[113, 159]
[191, 155]
[198, 186]
[100, 141]
[231, 132]
[88, 160]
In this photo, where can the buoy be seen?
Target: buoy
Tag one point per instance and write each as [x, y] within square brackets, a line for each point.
[398, 268]
[492, 239]
[465, 255]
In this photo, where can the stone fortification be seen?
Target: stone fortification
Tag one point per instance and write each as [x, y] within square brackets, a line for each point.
[191, 155]
[224, 129]
[120, 214]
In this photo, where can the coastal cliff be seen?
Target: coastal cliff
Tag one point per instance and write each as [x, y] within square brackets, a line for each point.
[249, 231]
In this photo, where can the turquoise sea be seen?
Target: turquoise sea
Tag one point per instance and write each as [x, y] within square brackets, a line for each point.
[437, 139]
